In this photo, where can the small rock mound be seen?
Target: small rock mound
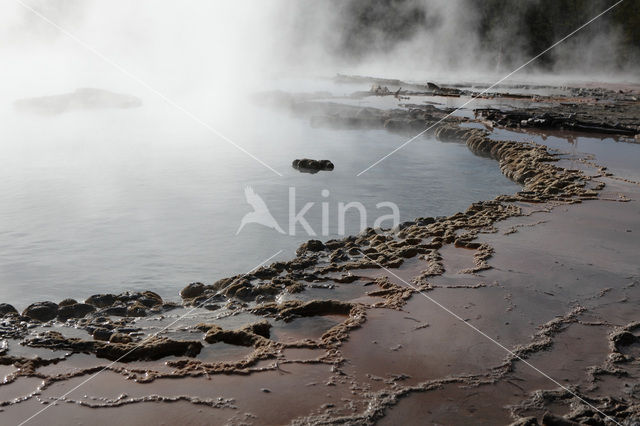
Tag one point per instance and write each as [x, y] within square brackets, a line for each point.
[6, 309]
[311, 245]
[41, 311]
[192, 290]
[101, 300]
[137, 304]
[76, 310]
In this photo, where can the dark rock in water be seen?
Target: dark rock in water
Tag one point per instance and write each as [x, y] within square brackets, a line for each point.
[552, 420]
[260, 328]
[116, 311]
[6, 309]
[101, 300]
[149, 299]
[240, 288]
[120, 338]
[307, 165]
[408, 252]
[250, 335]
[623, 338]
[334, 244]
[168, 306]
[41, 311]
[150, 349]
[145, 299]
[311, 245]
[127, 330]
[424, 221]
[526, 421]
[265, 272]
[136, 310]
[81, 99]
[102, 334]
[404, 225]
[338, 255]
[586, 121]
[78, 310]
[67, 302]
[192, 290]
[295, 308]
[346, 279]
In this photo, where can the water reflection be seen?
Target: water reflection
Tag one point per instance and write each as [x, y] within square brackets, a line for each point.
[109, 200]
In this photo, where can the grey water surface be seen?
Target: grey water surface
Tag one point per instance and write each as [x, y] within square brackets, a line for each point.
[148, 199]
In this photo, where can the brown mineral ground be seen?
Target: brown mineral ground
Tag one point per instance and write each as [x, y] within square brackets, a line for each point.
[522, 309]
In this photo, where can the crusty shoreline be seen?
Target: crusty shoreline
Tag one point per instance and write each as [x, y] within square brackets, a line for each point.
[338, 261]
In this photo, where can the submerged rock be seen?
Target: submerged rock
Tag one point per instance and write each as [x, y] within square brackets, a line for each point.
[307, 165]
[41, 311]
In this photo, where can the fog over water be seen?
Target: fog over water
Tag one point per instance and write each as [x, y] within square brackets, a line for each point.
[148, 197]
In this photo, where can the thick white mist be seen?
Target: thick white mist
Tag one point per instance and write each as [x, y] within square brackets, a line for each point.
[210, 55]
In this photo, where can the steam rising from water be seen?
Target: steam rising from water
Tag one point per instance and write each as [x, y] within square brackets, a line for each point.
[146, 197]
[221, 49]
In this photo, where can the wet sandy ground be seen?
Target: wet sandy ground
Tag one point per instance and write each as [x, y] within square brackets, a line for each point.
[564, 279]
[540, 273]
